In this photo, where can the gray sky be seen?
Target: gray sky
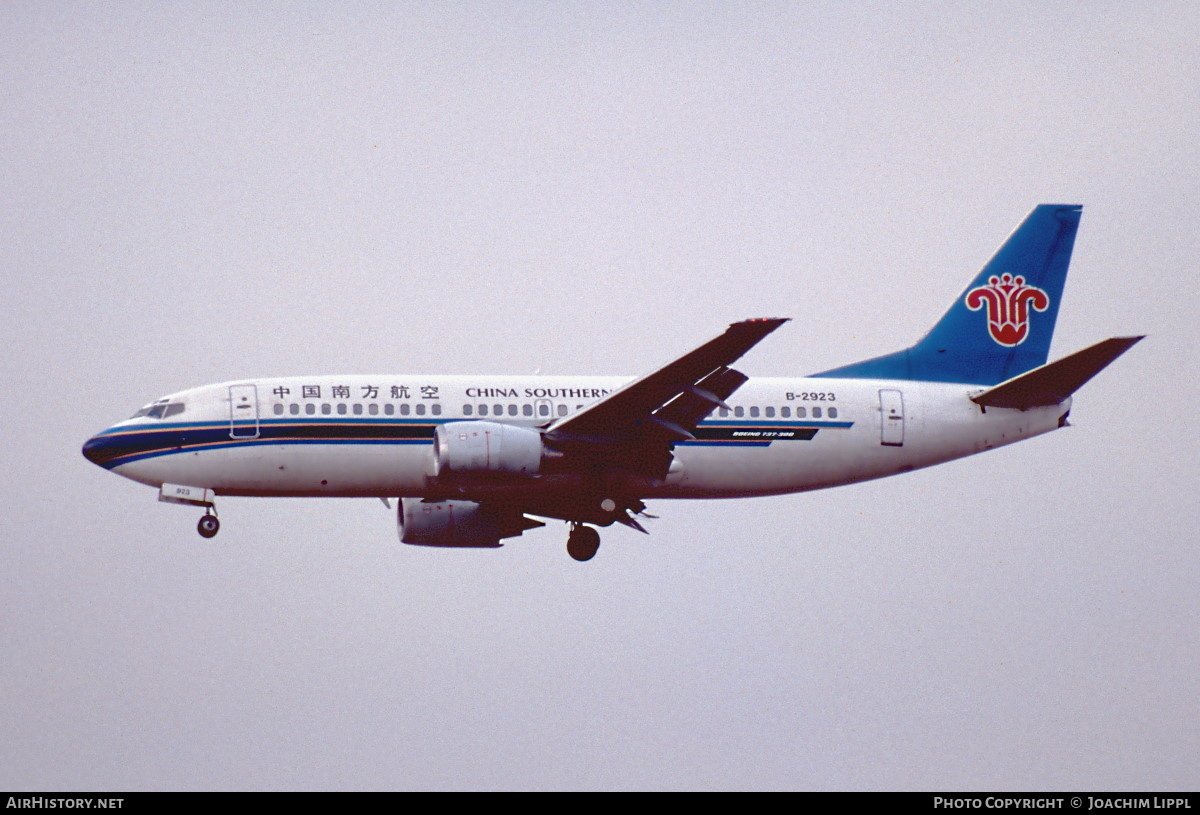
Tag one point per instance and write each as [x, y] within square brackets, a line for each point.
[203, 192]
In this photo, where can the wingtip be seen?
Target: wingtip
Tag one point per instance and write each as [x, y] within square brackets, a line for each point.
[773, 322]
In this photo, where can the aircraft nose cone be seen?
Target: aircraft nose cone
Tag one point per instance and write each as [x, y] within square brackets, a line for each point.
[93, 450]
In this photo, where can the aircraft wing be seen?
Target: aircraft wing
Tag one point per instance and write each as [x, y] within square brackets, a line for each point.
[635, 427]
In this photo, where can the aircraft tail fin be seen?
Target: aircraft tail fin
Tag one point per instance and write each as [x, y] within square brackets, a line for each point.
[1002, 324]
[1053, 383]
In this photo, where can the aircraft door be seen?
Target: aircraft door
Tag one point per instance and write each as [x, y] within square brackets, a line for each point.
[891, 418]
[243, 412]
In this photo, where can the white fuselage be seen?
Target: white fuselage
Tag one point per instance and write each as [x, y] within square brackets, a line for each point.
[373, 435]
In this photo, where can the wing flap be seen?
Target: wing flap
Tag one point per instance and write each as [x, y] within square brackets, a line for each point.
[695, 402]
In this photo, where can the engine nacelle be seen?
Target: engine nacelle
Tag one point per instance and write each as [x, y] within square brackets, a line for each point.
[457, 523]
[487, 447]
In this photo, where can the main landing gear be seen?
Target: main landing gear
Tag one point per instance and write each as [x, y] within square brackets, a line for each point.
[209, 525]
[583, 542]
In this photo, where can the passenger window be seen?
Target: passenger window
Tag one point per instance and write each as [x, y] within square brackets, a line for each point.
[341, 408]
[512, 410]
[404, 409]
[483, 410]
[497, 410]
[739, 411]
[310, 408]
[294, 409]
[785, 412]
[278, 409]
[389, 408]
[357, 409]
[833, 413]
[373, 409]
[816, 413]
[527, 410]
[543, 409]
[562, 410]
[420, 409]
[769, 412]
[436, 409]
[326, 409]
[468, 410]
[801, 412]
[754, 412]
[723, 412]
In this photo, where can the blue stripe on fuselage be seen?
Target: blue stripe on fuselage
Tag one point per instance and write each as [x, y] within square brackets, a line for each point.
[122, 445]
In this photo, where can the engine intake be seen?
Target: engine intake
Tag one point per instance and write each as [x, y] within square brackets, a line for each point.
[463, 524]
[487, 447]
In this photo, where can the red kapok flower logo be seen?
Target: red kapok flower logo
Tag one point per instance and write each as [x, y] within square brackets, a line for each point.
[1008, 301]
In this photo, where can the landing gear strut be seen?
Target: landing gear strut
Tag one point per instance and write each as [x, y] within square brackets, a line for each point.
[583, 542]
[209, 525]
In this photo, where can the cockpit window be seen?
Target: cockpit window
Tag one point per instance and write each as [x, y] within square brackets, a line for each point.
[159, 410]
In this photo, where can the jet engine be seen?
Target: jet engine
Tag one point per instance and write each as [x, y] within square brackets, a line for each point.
[463, 524]
[462, 448]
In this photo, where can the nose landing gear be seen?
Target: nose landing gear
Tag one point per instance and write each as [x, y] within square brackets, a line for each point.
[208, 525]
[194, 497]
[582, 542]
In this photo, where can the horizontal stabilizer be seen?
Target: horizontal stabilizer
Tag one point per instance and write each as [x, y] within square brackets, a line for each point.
[1051, 384]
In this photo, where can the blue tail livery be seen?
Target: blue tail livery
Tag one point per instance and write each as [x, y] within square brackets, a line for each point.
[1002, 324]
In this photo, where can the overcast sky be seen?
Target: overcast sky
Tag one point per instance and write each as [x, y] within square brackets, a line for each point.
[192, 193]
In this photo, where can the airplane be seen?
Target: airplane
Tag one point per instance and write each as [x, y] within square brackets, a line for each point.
[475, 460]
